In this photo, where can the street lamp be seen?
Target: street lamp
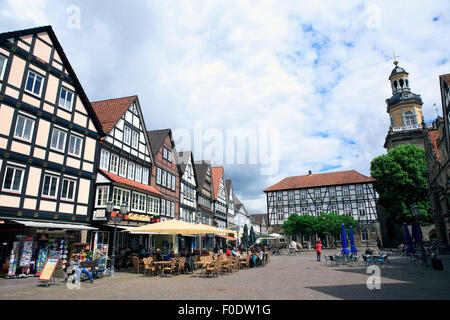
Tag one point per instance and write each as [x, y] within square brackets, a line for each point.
[415, 212]
[116, 219]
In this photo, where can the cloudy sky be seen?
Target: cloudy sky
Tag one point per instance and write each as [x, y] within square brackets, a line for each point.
[312, 75]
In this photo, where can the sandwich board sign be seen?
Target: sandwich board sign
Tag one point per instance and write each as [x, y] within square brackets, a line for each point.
[48, 270]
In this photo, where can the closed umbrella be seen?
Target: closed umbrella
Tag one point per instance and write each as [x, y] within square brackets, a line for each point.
[344, 241]
[410, 248]
[419, 236]
[414, 233]
[352, 242]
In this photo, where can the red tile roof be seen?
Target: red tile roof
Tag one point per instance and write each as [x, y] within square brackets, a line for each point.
[131, 183]
[320, 180]
[434, 135]
[110, 111]
[216, 173]
[446, 78]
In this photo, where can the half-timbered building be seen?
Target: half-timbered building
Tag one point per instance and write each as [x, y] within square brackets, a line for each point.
[231, 213]
[220, 201]
[48, 132]
[344, 192]
[188, 187]
[124, 165]
[205, 214]
[165, 173]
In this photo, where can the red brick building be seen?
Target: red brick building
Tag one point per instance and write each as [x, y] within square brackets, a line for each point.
[165, 176]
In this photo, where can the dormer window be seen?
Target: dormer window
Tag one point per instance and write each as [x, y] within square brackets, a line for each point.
[410, 118]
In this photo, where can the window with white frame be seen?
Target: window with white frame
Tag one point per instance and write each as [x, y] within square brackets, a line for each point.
[127, 135]
[188, 169]
[172, 211]
[58, 141]
[347, 209]
[304, 211]
[131, 170]
[164, 178]
[279, 196]
[104, 159]
[173, 183]
[317, 193]
[163, 206]
[169, 181]
[169, 156]
[158, 175]
[145, 175]
[332, 191]
[121, 196]
[12, 181]
[102, 196]
[318, 210]
[291, 195]
[135, 139]
[123, 167]
[2, 66]
[164, 153]
[114, 164]
[291, 210]
[66, 99]
[303, 194]
[334, 208]
[361, 208]
[50, 186]
[152, 205]
[359, 189]
[68, 189]
[75, 145]
[24, 128]
[138, 174]
[34, 83]
[364, 234]
[138, 202]
[345, 190]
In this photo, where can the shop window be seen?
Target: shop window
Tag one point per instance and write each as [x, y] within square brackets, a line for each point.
[13, 179]
[50, 186]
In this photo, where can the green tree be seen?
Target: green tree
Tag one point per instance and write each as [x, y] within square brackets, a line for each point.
[295, 224]
[401, 181]
[331, 223]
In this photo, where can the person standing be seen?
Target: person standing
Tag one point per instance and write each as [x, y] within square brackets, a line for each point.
[318, 249]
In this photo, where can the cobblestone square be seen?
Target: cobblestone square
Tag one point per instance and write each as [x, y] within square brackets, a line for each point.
[284, 278]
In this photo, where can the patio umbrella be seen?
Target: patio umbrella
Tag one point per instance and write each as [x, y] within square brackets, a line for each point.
[418, 233]
[344, 241]
[414, 234]
[352, 241]
[410, 248]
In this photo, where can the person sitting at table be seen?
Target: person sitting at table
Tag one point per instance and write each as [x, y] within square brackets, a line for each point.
[158, 255]
[228, 252]
[152, 251]
[170, 255]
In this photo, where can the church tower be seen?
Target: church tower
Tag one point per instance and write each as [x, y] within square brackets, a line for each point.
[405, 112]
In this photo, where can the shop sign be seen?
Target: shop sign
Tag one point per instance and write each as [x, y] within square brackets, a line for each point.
[49, 268]
[139, 217]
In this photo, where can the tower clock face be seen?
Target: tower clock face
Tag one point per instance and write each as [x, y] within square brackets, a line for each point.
[405, 95]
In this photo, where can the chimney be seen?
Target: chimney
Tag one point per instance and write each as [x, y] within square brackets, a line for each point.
[309, 173]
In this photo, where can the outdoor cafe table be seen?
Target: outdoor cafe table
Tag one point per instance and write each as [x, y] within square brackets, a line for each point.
[203, 264]
[160, 264]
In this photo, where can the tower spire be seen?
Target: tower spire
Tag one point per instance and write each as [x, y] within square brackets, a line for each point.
[394, 57]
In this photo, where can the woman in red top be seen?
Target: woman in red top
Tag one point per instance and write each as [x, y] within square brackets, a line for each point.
[318, 249]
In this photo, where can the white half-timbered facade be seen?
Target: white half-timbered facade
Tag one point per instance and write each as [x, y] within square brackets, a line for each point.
[220, 201]
[124, 163]
[188, 187]
[48, 131]
[345, 192]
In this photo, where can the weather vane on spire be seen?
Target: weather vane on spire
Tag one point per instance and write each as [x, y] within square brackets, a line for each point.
[394, 57]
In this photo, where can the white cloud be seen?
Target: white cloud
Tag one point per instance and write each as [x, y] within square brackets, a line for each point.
[253, 64]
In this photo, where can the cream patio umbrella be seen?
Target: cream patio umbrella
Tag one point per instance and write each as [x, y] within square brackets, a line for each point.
[174, 227]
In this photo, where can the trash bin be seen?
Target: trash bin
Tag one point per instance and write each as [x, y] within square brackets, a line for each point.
[437, 264]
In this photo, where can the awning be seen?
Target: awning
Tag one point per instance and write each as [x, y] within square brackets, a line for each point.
[227, 237]
[37, 224]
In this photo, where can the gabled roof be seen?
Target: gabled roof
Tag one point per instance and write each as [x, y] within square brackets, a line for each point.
[131, 183]
[259, 218]
[201, 167]
[434, 135]
[157, 138]
[446, 78]
[111, 110]
[182, 160]
[320, 180]
[228, 187]
[216, 175]
[65, 60]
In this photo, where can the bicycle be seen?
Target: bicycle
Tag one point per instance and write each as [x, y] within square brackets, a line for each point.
[291, 251]
[276, 251]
